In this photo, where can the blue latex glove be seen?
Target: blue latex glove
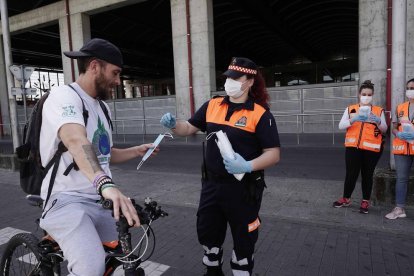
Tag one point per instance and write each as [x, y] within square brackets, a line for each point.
[168, 120]
[405, 135]
[374, 119]
[238, 165]
[359, 118]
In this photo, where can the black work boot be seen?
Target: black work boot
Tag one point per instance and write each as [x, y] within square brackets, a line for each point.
[214, 271]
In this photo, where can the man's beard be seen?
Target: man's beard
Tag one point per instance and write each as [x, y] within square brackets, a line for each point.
[102, 88]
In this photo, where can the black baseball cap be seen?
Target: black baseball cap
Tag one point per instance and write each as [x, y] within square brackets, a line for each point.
[240, 66]
[99, 48]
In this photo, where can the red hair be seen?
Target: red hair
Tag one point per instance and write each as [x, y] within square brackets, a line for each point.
[258, 90]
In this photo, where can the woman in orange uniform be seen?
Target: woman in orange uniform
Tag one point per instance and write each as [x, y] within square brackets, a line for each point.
[245, 117]
[403, 150]
[365, 126]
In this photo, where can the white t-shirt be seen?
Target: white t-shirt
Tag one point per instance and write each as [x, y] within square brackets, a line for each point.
[64, 106]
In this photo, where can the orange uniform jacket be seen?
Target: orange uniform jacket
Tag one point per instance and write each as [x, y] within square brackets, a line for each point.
[245, 120]
[399, 146]
[363, 135]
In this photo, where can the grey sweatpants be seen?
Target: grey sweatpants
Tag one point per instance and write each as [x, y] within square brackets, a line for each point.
[79, 225]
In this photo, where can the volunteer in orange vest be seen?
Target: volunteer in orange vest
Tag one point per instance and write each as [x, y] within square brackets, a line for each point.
[365, 126]
[244, 116]
[403, 150]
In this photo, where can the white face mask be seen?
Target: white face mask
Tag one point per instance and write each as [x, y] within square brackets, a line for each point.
[409, 94]
[366, 99]
[233, 88]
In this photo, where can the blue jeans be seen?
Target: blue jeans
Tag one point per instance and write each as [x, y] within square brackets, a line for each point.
[402, 166]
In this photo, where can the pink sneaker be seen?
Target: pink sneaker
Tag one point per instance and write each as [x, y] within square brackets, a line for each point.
[364, 207]
[342, 202]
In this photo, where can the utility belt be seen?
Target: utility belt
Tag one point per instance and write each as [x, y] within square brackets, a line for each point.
[209, 175]
[253, 183]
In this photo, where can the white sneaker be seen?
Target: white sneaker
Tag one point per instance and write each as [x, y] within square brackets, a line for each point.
[397, 212]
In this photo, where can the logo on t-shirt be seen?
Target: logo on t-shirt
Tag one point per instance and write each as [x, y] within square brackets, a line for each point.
[68, 110]
[241, 122]
[101, 142]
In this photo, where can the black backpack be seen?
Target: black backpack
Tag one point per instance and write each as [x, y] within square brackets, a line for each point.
[28, 154]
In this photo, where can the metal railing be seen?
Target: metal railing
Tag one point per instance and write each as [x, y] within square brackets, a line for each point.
[120, 125]
[300, 122]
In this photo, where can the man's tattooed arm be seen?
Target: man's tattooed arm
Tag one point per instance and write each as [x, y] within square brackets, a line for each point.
[74, 138]
[91, 157]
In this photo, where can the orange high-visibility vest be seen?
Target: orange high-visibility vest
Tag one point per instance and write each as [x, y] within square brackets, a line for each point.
[364, 135]
[399, 146]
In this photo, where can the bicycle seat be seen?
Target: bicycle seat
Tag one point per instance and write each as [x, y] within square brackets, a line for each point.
[35, 200]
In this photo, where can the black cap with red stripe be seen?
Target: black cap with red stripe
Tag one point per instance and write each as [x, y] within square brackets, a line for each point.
[240, 66]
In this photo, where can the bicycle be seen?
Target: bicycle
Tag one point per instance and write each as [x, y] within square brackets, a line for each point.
[26, 255]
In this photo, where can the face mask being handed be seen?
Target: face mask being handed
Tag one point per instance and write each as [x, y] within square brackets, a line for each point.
[366, 99]
[409, 94]
[233, 88]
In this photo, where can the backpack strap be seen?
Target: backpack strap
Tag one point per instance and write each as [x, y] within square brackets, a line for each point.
[55, 163]
[105, 111]
[85, 112]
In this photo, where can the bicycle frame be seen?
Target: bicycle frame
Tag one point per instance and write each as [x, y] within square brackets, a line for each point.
[118, 253]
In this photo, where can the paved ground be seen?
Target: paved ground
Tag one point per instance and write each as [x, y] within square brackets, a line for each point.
[301, 233]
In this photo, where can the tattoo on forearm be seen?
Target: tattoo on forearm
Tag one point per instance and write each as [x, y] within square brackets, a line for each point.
[91, 157]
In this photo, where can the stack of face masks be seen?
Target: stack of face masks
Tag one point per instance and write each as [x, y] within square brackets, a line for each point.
[409, 128]
[364, 111]
[226, 149]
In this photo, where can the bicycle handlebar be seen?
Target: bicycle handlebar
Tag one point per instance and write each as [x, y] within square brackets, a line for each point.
[149, 213]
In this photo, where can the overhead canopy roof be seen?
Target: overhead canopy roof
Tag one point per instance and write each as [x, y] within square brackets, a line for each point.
[270, 32]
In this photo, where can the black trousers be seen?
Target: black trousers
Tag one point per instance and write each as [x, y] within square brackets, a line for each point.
[224, 201]
[357, 161]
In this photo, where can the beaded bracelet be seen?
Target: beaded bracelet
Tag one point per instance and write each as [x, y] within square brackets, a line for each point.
[102, 181]
[97, 178]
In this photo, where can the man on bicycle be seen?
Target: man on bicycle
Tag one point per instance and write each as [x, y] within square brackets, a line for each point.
[72, 215]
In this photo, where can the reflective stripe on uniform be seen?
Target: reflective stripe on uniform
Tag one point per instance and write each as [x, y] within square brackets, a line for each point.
[213, 250]
[371, 145]
[254, 225]
[207, 262]
[213, 256]
[401, 147]
[241, 262]
[240, 273]
[350, 140]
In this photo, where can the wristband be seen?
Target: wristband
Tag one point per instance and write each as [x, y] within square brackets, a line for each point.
[101, 182]
[97, 178]
[108, 185]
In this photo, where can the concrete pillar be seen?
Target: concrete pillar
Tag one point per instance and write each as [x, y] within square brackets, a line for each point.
[410, 41]
[202, 37]
[398, 79]
[8, 61]
[373, 46]
[5, 114]
[399, 31]
[81, 32]
[128, 85]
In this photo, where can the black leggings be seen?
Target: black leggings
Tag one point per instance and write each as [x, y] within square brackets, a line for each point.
[363, 161]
